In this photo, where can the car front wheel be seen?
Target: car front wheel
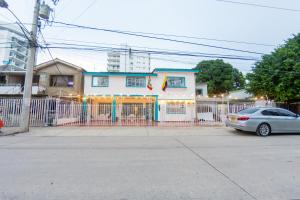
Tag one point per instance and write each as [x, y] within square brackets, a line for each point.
[263, 129]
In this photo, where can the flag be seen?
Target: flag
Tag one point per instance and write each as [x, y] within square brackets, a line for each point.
[149, 85]
[165, 84]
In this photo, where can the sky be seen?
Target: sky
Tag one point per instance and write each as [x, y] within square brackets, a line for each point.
[196, 18]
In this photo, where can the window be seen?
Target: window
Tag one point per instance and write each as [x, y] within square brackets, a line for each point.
[178, 108]
[199, 92]
[61, 81]
[248, 111]
[136, 82]
[100, 81]
[285, 113]
[2, 79]
[270, 112]
[176, 82]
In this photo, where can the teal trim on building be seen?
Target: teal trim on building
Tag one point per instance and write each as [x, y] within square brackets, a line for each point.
[156, 109]
[84, 109]
[118, 74]
[175, 70]
[113, 112]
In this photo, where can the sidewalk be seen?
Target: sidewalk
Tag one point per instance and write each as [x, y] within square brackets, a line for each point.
[126, 131]
[9, 131]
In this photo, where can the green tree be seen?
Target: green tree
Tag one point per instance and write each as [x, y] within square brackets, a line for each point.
[277, 76]
[220, 77]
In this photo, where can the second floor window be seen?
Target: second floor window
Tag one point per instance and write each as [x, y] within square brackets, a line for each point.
[136, 82]
[61, 81]
[176, 82]
[100, 81]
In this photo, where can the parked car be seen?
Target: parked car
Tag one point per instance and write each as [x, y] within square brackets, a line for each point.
[264, 121]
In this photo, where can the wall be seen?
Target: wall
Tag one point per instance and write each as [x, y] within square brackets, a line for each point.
[117, 86]
[46, 72]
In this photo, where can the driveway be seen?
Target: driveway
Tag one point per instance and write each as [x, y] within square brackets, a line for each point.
[148, 163]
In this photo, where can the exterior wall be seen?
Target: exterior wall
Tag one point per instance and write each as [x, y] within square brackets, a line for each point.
[117, 86]
[44, 81]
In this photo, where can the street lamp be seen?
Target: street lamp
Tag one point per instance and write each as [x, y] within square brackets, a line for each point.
[3, 4]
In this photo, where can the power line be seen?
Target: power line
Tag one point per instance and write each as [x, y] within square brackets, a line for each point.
[155, 37]
[196, 38]
[52, 56]
[183, 36]
[260, 5]
[84, 11]
[109, 49]
[148, 49]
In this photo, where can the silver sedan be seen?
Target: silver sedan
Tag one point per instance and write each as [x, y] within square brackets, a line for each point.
[265, 121]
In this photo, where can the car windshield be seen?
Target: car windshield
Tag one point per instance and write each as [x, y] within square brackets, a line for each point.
[249, 111]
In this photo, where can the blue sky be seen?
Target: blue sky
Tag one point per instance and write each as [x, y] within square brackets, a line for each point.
[199, 18]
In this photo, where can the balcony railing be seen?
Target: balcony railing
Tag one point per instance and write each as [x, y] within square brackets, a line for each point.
[14, 89]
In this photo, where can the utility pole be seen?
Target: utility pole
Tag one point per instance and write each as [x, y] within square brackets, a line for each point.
[31, 62]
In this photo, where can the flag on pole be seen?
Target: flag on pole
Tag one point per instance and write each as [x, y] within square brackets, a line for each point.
[149, 85]
[165, 84]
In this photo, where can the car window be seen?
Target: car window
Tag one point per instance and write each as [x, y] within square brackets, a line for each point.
[249, 111]
[270, 112]
[286, 113]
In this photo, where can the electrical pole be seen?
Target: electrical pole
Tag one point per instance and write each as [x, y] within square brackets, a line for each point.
[31, 62]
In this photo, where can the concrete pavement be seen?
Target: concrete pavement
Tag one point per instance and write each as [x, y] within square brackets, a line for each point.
[148, 163]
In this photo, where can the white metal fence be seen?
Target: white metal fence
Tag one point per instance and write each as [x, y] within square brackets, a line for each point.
[55, 112]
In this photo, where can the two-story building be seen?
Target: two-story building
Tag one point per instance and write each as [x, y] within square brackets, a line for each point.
[165, 94]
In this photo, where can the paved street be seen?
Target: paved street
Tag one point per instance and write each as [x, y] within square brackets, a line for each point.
[148, 163]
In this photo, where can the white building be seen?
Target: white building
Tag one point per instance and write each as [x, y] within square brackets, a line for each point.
[128, 62]
[15, 52]
[130, 91]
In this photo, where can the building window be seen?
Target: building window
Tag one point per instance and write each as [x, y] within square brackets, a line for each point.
[135, 81]
[176, 108]
[176, 82]
[61, 81]
[100, 81]
[2, 79]
[199, 92]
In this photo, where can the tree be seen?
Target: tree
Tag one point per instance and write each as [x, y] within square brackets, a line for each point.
[277, 75]
[220, 77]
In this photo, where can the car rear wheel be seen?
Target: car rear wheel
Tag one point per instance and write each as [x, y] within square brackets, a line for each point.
[263, 129]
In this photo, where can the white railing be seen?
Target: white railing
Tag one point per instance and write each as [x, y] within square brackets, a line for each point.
[10, 89]
[55, 112]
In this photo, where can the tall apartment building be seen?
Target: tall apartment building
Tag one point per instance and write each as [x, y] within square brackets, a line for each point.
[15, 51]
[128, 62]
